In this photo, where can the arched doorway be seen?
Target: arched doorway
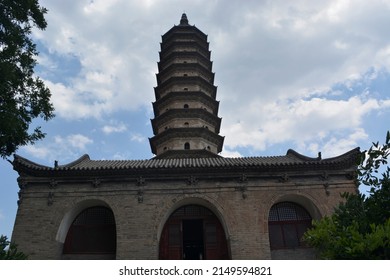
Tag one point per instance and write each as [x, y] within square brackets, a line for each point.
[92, 235]
[193, 232]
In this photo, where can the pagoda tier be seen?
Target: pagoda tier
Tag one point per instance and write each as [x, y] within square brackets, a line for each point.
[183, 99]
[186, 122]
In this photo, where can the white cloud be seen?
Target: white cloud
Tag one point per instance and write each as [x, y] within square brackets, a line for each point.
[114, 128]
[59, 148]
[38, 151]
[336, 146]
[228, 153]
[77, 141]
[137, 138]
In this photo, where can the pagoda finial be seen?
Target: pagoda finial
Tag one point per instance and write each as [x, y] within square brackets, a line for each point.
[184, 20]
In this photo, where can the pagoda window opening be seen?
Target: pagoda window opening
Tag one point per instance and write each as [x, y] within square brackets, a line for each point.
[186, 89]
[186, 146]
[186, 106]
[186, 124]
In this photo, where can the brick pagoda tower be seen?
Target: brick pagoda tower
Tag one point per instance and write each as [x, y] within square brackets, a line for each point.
[186, 122]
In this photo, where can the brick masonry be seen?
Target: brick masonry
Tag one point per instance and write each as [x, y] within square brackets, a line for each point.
[48, 206]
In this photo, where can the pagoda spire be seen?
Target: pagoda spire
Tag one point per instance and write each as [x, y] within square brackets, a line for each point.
[184, 20]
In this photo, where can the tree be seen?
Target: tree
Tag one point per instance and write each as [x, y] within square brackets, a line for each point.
[360, 226]
[23, 96]
[12, 252]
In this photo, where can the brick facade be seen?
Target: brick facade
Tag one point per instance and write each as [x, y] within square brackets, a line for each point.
[143, 198]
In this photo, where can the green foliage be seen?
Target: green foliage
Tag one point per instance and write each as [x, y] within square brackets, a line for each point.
[360, 226]
[23, 96]
[12, 252]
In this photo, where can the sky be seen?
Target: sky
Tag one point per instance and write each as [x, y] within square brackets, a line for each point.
[313, 76]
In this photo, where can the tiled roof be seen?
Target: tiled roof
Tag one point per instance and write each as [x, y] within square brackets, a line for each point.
[291, 159]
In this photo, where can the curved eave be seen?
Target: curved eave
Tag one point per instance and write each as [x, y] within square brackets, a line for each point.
[351, 156]
[184, 114]
[184, 29]
[22, 164]
[185, 96]
[189, 80]
[175, 68]
[194, 47]
[184, 39]
[191, 54]
[189, 133]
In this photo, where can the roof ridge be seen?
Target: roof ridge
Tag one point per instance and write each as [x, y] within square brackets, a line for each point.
[83, 158]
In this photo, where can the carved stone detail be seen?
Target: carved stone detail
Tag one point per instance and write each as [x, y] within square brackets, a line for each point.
[243, 179]
[50, 198]
[192, 181]
[284, 178]
[243, 190]
[140, 194]
[53, 183]
[325, 176]
[96, 183]
[326, 186]
[140, 181]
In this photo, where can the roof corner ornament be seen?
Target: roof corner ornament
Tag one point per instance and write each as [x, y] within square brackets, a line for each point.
[319, 157]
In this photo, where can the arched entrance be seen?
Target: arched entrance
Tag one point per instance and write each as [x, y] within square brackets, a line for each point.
[92, 235]
[193, 232]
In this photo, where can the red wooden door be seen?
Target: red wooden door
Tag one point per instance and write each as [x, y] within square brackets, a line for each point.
[171, 241]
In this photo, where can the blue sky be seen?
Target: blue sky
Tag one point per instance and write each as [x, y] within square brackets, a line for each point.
[308, 75]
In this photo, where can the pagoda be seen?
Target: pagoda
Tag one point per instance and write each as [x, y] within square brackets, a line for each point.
[186, 122]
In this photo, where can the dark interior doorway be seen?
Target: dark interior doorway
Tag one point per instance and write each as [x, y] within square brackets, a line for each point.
[193, 232]
[193, 246]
